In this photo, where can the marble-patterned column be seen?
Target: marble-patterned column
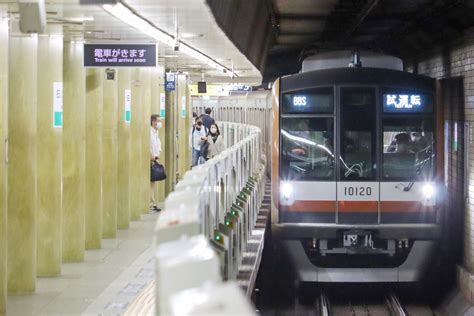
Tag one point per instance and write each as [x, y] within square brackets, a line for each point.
[94, 159]
[49, 148]
[183, 118]
[109, 154]
[22, 207]
[74, 130]
[136, 126]
[188, 124]
[170, 142]
[157, 99]
[123, 164]
[3, 162]
[145, 139]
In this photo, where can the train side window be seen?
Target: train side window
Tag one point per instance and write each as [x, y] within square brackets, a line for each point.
[408, 149]
[358, 126]
[307, 149]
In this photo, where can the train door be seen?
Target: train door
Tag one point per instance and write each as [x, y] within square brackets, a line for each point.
[408, 157]
[357, 186]
[307, 159]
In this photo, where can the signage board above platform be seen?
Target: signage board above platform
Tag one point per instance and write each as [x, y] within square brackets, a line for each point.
[119, 55]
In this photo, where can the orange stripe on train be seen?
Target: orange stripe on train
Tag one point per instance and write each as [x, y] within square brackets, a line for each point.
[310, 206]
[357, 206]
[405, 207]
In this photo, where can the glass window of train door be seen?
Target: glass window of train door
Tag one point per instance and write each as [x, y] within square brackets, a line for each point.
[316, 112]
[357, 139]
[408, 148]
[415, 115]
[307, 148]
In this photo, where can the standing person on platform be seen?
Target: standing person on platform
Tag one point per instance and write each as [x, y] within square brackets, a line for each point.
[155, 152]
[196, 139]
[207, 119]
[216, 142]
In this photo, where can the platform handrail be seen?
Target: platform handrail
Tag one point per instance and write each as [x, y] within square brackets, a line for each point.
[218, 200]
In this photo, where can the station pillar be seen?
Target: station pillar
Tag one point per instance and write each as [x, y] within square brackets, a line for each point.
[145, 141]
[74, 145]
[136, 126]
[22, 206]
[123, 151]
[109, 154]
[3, 160]
[49, 149]
[94, 161]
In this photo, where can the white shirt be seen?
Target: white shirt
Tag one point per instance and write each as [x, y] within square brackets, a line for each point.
[155, 143]
[195, 140]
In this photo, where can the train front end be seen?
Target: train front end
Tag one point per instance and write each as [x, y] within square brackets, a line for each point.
[356, 156]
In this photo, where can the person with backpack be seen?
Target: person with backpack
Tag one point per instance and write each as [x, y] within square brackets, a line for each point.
[207, 119]
[197, 138]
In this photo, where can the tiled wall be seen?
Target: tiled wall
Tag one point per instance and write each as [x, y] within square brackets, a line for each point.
[455, 69]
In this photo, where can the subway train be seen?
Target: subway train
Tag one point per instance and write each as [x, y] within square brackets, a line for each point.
[356, 168]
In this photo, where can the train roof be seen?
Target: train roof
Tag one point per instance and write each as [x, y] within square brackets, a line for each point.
[357, 76]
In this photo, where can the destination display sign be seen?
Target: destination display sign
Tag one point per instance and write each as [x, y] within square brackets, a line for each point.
[407, 103]
[119, 55]
[309, 101]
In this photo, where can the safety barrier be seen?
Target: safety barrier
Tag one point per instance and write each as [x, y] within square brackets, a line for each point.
[253, 108]
[214, 207]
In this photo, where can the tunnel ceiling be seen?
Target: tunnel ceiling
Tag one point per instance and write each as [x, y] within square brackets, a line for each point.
[276, 35]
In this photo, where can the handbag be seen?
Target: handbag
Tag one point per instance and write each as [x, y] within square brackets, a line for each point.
[204, 150]
[157, 172]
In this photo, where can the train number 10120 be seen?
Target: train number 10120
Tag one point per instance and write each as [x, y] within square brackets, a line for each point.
[358, 191]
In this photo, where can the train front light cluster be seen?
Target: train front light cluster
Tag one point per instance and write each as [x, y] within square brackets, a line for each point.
[428, 191]
[286, 190]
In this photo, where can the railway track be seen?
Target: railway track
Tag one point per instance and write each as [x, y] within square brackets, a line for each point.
[390, 305]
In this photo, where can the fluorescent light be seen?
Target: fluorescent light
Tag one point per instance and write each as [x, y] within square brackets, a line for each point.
[126, 15]
[190, 35]
[80, 19]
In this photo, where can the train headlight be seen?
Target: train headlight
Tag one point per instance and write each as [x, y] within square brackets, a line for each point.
[428, 190]
[286, 190]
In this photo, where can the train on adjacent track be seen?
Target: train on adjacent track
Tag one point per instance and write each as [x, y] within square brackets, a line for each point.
[356, 168]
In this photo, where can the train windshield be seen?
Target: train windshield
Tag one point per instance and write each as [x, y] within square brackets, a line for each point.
[358, 134]
[408, 149]
[307, 148]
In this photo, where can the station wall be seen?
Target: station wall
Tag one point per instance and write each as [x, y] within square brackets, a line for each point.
[454, 67]
[63, 189]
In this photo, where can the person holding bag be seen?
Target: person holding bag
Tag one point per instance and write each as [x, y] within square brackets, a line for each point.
[157, 171]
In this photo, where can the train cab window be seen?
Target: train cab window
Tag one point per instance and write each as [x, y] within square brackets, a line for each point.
[408, 149]
[357, 132]
[307, 149]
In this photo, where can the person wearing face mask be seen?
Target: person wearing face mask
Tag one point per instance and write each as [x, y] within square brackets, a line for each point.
[197, 139]
[155, 151]
[215, 140]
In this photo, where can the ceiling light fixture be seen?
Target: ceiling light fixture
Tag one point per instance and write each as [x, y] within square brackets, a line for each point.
[130, 17]
[190, 35]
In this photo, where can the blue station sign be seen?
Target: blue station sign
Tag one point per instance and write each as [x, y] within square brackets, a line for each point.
[170, 81]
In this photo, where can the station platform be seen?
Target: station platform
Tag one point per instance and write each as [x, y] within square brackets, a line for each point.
[104, 284]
